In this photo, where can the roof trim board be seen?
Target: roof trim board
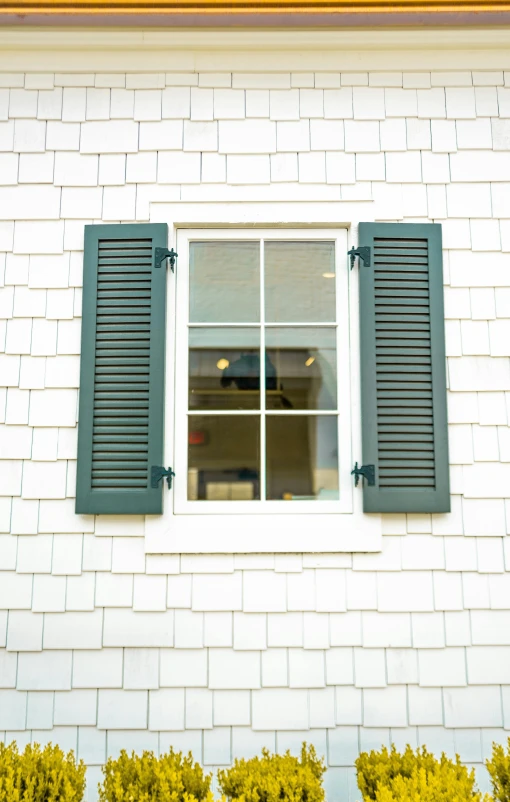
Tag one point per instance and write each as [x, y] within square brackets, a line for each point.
[28, 10]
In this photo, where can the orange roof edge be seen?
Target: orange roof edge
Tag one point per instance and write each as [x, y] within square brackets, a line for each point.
[92, 8]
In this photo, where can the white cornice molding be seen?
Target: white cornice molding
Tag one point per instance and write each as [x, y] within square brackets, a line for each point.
[228, 39]
[122, 50]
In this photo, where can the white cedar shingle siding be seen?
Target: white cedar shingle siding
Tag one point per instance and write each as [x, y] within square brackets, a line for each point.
[218, 653]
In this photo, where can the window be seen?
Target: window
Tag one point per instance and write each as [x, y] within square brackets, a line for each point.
[262, 380]
[269, 385]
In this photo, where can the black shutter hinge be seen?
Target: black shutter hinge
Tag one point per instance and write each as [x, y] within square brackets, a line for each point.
[164, 253]
[158, 473]
[362, 252]
[366, 472]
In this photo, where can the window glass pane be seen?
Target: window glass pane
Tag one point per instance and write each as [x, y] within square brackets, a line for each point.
[223, 457]
[224, 368]
[300, 282]
[224, 282]
[301, 368]
[302, 457]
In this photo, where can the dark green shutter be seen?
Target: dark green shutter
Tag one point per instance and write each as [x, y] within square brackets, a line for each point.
[403, 374]
[120, 430]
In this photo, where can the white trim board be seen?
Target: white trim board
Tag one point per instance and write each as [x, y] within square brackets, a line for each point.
[298, 214]
[140, 61]
[86, 51]
[248, 534]
[365, 39]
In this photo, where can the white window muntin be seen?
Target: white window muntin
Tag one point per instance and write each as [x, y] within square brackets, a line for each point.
[344, 334]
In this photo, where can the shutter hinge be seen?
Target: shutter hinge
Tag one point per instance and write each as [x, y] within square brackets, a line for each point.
[362, 252]
[366, 472]
[158, 473]
[164, 253]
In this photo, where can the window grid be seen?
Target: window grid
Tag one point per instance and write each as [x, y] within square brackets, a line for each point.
[263, 467]
[262, 412]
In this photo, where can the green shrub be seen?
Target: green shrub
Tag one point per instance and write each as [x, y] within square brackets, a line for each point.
[439, 785]
[40, 775]
[144, 778]
[499, 770]
[388, 776]
[275, 778]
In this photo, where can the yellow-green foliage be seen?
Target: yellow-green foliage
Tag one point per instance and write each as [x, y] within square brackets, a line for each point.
[388, 776]
[146, 778]
[499, 770]
[275, 778]
[40, 775]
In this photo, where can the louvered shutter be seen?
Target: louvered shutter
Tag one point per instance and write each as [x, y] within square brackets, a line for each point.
[120, 430]
[403, 376]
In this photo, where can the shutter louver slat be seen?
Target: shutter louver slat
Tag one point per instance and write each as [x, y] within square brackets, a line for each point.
[403, 372]
[122, 385]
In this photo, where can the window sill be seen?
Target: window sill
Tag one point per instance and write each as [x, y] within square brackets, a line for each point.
[246, 534]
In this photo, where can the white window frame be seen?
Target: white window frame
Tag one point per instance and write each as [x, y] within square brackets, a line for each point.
[343, 412]
[321, 533]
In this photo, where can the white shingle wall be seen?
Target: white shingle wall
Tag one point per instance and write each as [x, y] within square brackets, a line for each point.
[103, 646]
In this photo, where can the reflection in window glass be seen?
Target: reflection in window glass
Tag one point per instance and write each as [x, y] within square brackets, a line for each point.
[299, 282]
[224, 368]
[223, 457]
[302, 363]
[224, 282]
[302, 457]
